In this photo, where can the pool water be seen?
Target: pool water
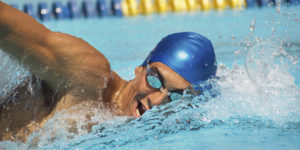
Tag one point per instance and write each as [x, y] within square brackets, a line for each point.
[257, 53]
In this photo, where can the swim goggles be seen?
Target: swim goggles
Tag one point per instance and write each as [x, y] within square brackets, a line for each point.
[155, 81]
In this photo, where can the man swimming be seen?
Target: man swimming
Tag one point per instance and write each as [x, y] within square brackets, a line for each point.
[72, 72]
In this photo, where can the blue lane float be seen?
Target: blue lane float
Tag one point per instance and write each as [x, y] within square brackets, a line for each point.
[66, 12]
[116, 8]
[43, 11]
[14, 6]
[251, 3]
[28, 9]
[294, 2]
[101, 7]
[90, 8]
[58, 10]
[73, 9]
[263, 3]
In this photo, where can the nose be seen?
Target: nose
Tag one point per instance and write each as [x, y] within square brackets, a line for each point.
[158, 97]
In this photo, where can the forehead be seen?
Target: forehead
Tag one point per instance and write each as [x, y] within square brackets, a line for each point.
[172, 79]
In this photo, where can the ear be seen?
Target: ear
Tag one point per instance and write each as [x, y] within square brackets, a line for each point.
[138, 70]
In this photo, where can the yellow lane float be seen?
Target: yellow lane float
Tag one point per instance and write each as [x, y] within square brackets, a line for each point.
[132, 7]
[125, 9]
[205, 4]
[237, 4]
[161, 6]
[146, 7]
[219, 4]
[191, 5]
[177, 5]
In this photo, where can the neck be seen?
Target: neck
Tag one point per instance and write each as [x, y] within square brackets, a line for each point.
[124, 94]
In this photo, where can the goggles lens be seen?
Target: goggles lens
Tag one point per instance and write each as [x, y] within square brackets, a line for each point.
[175, 95]
[155, 82]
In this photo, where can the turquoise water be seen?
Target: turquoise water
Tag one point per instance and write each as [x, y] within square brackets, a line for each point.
[258, 64]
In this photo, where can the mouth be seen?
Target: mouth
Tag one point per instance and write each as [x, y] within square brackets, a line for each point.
[139, 109]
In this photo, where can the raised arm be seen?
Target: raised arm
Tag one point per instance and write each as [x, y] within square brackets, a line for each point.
[52, 56]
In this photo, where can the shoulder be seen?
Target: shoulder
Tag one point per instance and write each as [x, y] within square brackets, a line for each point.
[83, 65]
[75, 52]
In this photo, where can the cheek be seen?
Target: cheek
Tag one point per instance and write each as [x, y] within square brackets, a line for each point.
[157, 98]
[142, 90]
[142, 86]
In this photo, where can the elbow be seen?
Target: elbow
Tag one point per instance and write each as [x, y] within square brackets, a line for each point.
[52, 40]
[57, 40]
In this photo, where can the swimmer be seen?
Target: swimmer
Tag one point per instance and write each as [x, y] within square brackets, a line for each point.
[72, 72]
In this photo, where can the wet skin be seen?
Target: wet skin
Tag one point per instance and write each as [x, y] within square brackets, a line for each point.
[72, 72]
[140, 94]
[172, 82]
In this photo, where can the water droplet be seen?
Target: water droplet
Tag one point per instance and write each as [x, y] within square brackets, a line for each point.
[237, 52]
[278, 6]
[273, 29]
[233, 37]
[236, 121]
[222, 65]
[294, 60]
[252, 26]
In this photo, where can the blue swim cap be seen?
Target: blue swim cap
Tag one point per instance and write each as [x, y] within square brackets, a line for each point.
[192, 56]
[189, 54]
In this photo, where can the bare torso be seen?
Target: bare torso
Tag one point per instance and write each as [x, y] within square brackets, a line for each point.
[71, 72]
[26, 111]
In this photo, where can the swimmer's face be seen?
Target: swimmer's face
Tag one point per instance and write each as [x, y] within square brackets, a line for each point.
[150, 94]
